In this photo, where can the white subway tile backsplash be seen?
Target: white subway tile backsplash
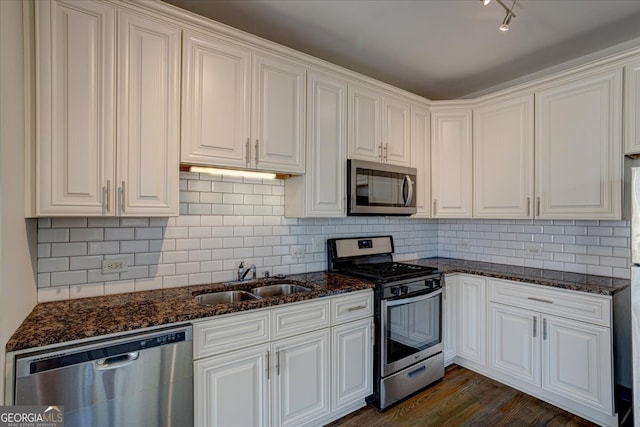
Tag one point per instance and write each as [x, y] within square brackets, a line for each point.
[226, 220]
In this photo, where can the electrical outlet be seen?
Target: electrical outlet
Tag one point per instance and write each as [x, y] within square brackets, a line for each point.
[533, 249]
[318, 244]
[115, 265]
[297, 251]
[463, 244]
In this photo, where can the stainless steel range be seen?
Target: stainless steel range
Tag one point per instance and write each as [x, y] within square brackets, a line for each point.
[408, 315]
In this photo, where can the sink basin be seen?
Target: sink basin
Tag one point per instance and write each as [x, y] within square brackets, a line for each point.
[215, 298]
[279, 289]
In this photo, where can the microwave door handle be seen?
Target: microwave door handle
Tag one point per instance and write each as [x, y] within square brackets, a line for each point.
[407, 179]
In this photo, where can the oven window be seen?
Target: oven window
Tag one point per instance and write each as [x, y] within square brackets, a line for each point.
[412, 327]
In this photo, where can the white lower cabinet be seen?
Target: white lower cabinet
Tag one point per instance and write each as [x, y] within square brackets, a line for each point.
[300, 383]
[576, 362]
[551, 343]
[352, 347]
[514, 347]
[472, 319]
[449, 313]
[233, 389]
[312, 365]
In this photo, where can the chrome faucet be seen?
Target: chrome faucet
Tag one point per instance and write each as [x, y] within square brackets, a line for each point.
[242, 272]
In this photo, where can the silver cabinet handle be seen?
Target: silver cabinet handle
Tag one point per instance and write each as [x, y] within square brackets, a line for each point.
[528, 206]
[544, 329]
[257, 142]
[380, 152]
[357, 307]
[386, 152]
[373, 332]
[540, 300]
[108, 195]
[278, 362]
[123, 197]
[247, 148]
[535, 326]
[434, 207]
[267, 357]
[537, 206]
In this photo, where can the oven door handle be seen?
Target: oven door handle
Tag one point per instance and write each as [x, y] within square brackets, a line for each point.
[410, 300]
[407, 180]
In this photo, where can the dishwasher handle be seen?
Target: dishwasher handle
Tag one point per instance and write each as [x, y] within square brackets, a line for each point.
[118, 361]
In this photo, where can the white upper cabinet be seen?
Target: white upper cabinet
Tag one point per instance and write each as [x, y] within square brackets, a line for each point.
[396, 134]
[451, 162]
[379, 126]
[216, 101]
[421, 160]
[148, 116]
[503, 158]
[579, 148]
[632, 108]
[278, 123]
[241, 108]
[321, 191]
[99, 151]
[75, 83]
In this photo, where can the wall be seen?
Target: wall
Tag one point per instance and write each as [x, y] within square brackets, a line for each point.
[223, 221]
[591, 247]
[17, 281]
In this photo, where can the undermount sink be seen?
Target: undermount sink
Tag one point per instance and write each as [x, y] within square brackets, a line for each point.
[279, 290]
[214, 298]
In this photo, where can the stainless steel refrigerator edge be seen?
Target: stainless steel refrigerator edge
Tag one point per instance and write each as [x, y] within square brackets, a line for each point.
[635, 290]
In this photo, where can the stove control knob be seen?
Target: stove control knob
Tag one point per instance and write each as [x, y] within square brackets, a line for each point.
[429, 284]
[395, 290]
[404, 290]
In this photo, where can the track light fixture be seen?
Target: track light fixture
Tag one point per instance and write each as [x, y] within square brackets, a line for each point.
[508, 17]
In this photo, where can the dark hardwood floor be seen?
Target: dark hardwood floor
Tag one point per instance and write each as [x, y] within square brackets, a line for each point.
[464, 398]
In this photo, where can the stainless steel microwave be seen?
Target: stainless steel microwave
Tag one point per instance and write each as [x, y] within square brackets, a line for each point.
[380, 189]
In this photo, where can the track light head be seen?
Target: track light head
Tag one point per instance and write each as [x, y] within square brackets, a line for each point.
[505, 23]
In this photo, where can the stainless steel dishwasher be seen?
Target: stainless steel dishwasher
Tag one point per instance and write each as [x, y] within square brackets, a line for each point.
[136, 380]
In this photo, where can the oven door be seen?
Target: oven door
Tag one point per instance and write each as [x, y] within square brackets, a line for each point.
[411, 330]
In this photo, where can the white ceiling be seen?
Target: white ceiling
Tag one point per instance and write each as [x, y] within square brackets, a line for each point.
[440, 49]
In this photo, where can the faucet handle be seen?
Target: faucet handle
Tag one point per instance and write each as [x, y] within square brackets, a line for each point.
[266, 274]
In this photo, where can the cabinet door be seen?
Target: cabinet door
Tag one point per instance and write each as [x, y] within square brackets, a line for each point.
[365, 138]
[576, 362]
[232, 389]
[326, 142]
[503, 159]
[514, 344]
[472, 318]
[451, 163]
[449, 313]
[301, 379]
[278, 114]
[632, 108]
[396, 134]
[352, 363]
[75, 108]
[579, 149]
[148, 116]
[421, 158]
[216, 102]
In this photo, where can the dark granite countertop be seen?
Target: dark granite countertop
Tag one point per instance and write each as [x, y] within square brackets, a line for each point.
[601, 285]
[70, 320]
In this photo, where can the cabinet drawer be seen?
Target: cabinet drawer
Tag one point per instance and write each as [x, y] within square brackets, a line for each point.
[299, 318]
[564, 303]
[230, 333]
[351, 307]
